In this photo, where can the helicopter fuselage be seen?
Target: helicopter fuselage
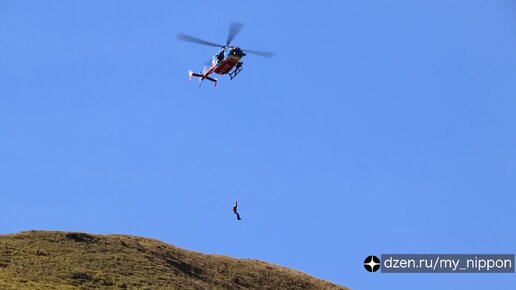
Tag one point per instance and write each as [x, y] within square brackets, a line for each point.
[226, 65]
[226, 59]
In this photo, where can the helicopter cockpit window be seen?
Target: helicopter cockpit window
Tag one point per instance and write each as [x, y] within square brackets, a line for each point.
[236, 51]
[219, 57]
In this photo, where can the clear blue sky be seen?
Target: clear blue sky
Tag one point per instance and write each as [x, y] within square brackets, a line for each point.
[379, 127]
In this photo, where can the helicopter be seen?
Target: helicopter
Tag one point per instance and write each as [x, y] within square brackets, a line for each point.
[227, 60]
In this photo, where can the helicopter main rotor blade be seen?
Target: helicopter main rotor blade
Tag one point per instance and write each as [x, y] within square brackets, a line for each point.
[189, 38]
[260, 53]
[234, 28]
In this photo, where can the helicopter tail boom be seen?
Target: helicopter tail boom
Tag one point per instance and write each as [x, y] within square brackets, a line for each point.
[202, 76]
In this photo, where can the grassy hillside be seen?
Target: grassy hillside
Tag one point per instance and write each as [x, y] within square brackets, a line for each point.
[60, 260]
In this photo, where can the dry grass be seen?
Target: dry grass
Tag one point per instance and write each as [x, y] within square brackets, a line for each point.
[60, 260]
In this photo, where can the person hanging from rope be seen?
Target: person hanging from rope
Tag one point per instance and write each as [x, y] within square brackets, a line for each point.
[235, 210]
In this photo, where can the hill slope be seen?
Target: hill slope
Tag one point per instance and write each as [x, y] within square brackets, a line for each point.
[60, 260]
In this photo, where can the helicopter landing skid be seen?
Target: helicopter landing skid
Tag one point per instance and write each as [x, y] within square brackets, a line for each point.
[236, 71]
